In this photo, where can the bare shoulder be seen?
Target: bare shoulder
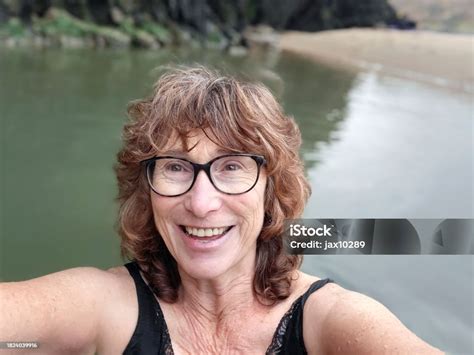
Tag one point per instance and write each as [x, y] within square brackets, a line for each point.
[337, 320]
[122, 288]
[65, 311]
[83, 281]
[79, 281]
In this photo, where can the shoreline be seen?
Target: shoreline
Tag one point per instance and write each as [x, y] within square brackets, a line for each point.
[441, 59]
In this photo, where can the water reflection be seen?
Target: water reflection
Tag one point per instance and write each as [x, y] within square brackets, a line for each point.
[316, 96]
[403, 150]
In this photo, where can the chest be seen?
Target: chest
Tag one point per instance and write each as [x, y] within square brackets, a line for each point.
[242, 333]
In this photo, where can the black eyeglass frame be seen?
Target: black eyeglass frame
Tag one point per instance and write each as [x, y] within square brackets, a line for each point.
[259, 159]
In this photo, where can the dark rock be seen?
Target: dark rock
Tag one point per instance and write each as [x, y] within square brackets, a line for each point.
[310, 15]
[214, 23]
[99, 10]
[402, 24]
[4, 13]
[77, 8]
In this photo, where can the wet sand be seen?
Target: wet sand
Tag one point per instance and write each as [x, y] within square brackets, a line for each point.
[438, 58]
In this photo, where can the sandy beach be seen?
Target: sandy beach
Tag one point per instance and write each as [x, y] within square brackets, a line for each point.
[438, 58]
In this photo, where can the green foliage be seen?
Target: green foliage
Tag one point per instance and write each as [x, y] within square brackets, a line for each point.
[140, 37]
[59, 22]
[214, 37]
[13, 28]
[161, 33]
[128, 26]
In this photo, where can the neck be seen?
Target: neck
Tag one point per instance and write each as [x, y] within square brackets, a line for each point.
[221, 297]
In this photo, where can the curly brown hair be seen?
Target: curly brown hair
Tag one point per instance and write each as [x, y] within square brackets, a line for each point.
[241, 116]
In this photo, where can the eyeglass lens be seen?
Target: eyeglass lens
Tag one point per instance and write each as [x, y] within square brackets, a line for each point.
[229, 174]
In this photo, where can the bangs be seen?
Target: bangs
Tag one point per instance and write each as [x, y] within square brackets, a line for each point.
[221, 107]
[180, 140]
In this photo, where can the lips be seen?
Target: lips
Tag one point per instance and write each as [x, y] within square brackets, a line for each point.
[205, 233]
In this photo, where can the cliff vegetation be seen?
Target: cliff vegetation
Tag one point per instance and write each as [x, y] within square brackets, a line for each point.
[156, 23]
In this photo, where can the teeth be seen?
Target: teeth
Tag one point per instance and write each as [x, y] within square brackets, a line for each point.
[204, 232]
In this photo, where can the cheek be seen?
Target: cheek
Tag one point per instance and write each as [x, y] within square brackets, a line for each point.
[157, 209]
[260, 204]
[161, 213]
[253, 213]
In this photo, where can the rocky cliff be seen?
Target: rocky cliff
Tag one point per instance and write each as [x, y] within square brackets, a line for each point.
[158, 22]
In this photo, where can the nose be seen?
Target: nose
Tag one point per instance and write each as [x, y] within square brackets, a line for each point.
[203, 198]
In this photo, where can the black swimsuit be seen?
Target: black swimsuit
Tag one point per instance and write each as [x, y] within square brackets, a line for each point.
[151, 334]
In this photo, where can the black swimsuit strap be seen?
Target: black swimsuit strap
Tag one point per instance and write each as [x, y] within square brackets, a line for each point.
[150, 319]
[288, 337]
[313, 288]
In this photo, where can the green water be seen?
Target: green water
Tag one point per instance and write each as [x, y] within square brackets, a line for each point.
[374, 146]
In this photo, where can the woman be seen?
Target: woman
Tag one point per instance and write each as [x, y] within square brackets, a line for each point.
[208, 173]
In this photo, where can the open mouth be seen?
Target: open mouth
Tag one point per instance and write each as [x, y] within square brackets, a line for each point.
[205, 234]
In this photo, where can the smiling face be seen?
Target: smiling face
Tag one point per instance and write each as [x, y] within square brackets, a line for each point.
[230, 224]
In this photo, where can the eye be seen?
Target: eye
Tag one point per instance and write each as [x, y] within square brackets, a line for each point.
[175, 167]
[232, 167]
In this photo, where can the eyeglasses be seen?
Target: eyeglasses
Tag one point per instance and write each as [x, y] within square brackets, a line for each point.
[232, 174]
